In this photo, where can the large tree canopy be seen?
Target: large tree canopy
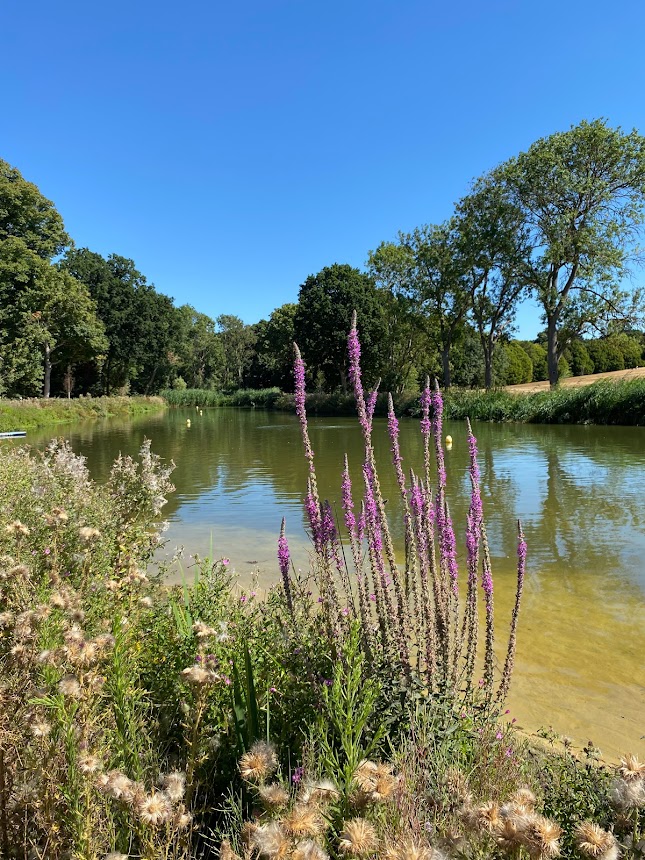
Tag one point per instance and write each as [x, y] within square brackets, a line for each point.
[323, 319]
[27, 215]
[582, 196]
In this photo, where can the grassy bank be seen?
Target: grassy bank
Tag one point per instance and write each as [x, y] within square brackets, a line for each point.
[603, 402]
[38, 412]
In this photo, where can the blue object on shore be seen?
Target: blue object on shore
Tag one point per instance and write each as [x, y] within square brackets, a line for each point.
[12, 433]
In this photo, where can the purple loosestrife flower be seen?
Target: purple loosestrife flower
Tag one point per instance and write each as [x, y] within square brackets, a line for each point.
[449, 551]
[436, 403]
[371, 402]
[354, 350]
[425, 410]
[328, 526]
[348, 504]
[313, 513]
[283, 561]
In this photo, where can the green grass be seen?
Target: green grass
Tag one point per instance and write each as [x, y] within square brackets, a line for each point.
[38, 412]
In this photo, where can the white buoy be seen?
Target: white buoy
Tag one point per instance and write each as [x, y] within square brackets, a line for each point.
[188, 422]
[448, 441]
[200, 412]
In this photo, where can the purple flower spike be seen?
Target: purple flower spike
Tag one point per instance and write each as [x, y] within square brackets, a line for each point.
[284, 561]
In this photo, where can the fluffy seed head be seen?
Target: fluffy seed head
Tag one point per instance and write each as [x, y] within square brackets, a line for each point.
[271, 841]
[304, 821]
[259, 762]
[273, 796]
[69, 686]
[358, 838]
[89, 763]
[542, 837]
[174, 785]
[154, 809]
[592, 840]
[631, 769]
[307, 849]
[627, 795]
[199, 676]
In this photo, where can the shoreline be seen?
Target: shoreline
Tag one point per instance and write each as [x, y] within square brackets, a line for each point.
[34, 413]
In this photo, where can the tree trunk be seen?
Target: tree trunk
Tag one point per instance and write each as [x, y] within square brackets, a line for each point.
[48, 371]
[488, 370]
[445, 361]
[552, 351]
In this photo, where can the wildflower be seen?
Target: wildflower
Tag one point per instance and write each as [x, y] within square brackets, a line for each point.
[89, 763]
[304, 820]
[271, 841]
[273, 796]
[174, 784]
[593, 841]
[199, 676]
[358, 838]
[307, 849]
[154, 809]
[283, 563]
[88, 534]
[631, 769]
[259, 762]
[69, 686]
[17, 528]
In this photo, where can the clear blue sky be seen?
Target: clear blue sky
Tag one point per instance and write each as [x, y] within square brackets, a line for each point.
[231, 149]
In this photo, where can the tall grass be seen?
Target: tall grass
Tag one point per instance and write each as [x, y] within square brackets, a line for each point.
[262, 398]
[32, 413]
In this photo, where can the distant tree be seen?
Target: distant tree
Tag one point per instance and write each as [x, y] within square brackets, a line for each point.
[426, 267]
[582, 194]
[237, 340]
[273, 363]
[200, 353]
[579, 359]
[48, 313]
[519, 367]
[492, 239]
[630, 347]
[323, 318]
[537, 353]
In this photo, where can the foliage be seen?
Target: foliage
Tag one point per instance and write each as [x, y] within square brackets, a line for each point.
[519, 367]
[326, 302]
[31, 414]
[582, 195]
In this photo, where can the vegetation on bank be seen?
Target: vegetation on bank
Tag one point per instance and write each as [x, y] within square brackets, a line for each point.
[206, 721]
[33, 413]
[603, 402]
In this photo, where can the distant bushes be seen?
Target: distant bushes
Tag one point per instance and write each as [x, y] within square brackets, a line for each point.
[603, 402]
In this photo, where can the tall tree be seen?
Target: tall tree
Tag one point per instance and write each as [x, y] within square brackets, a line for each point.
[426, 266]
[237, 341]
[492, 240]
[200, 349]
[326, 302]
[47, 309]
[273, 364]
[27, 215]
[582, 195]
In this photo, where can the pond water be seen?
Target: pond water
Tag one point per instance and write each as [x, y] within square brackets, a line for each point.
[578, 491]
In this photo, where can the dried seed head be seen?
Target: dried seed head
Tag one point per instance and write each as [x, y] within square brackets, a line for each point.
[88, 534]
[69, 686]
[226, 851]
[304, 821]
[116, 855]
[6, 619]
[89, 763]
[271, 841]
[592, 840]
[307, 849]
[487, 816]
[631, 769]
[273, 796]
[203, 631]
[174, 785]
[410, 848]
[40, 729]
[524, 798]
[17, 528]
[358, 838]
[259, 762]
[199, 676]
[154, 809]
[626, 795]
[542, 837]
[321, 792]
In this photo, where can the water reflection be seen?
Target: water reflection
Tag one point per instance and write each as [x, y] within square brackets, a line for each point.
[577, 491]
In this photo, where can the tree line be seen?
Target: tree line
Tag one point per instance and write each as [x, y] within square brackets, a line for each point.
[558, 223]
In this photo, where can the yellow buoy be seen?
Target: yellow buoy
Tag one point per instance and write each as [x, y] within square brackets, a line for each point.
[448, 440]
[200, 412]
[188, 422]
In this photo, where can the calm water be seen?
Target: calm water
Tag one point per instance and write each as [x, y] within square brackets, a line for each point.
[578, 491]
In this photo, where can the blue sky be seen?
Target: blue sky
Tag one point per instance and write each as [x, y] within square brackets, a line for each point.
[232, 149]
